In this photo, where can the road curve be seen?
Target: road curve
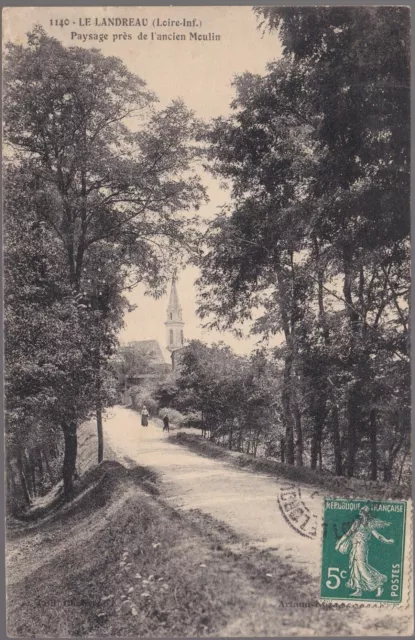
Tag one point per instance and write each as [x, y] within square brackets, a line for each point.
[248, 502]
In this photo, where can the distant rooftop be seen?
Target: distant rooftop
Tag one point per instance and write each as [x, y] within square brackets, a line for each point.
[150, 347]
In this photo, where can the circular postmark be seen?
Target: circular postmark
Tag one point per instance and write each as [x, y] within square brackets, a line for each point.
[295, 512]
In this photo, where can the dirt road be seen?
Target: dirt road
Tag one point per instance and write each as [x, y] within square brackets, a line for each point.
[247, 502]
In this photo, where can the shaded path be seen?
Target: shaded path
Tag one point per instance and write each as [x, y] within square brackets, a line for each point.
[246, 501]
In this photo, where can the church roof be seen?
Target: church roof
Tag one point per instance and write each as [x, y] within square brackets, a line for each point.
[150, 347]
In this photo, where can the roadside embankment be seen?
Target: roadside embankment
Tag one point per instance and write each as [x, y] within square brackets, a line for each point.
[118, 562]
[335, 486]
[124, 559]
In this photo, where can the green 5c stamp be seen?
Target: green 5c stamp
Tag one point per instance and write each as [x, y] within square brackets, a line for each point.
[363, 550]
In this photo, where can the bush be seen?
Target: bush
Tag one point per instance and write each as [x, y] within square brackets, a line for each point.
[166, 391]
[175, 417]
[192, 419]
[142, 397]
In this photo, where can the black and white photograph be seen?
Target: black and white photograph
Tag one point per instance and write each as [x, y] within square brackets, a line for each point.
[206, 259]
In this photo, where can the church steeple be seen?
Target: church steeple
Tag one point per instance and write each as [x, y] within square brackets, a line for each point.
[174, 321]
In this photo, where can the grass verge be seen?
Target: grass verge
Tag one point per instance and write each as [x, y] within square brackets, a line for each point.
[336, 486]
[120, 562]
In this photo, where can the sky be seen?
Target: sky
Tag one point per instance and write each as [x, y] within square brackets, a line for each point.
[199, 72]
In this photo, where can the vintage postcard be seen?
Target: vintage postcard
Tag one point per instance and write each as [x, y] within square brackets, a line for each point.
[207, 282]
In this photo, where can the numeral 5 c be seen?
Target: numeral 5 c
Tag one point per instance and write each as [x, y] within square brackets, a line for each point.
[334, 577]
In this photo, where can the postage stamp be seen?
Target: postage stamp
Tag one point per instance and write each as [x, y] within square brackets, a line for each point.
[363, 551]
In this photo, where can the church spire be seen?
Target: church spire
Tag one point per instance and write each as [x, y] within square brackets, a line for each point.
[174, 307]
[174, 321]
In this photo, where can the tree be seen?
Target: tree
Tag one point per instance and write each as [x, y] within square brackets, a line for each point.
[360, 89]
[316, 154]
[166, 393]
[265, 231]
[233, 393]
[131, 361]
[100, 187]
[47, 365]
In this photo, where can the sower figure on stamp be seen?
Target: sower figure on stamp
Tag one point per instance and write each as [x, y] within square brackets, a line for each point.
[166, 425]
[355, 542]
[144, 417]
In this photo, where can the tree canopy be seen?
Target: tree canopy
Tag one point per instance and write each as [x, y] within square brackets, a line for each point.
[110, 181]
[316, 153]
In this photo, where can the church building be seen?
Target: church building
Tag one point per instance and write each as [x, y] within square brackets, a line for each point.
[151, 350]
[174, 325]
[152, 363]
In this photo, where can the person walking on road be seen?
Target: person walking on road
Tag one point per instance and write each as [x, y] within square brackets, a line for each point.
[144, 417]
[166, 426]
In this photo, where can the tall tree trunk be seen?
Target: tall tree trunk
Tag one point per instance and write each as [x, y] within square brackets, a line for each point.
[316, 436]
[287, 417]
[23, 481]
[256, 442]
[298, 435]
[69, 460]
[351, 440]
[100, 435]
[405, 455]
[373, 445]
[353, 424]
[8, 482]
[10, 478]
[347, 287]
[240, 438]
[320, 268]
[320, 457]
[314, 445]
[390, 458]
[282, 449]
[387, 469]
[338, 465]
[319, 413]
[289, 431]
[286, 411]
[354, 398]
[28, 473]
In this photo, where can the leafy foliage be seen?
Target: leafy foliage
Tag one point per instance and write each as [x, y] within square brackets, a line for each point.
[106, 195]
[316, 153]
[235, 395]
